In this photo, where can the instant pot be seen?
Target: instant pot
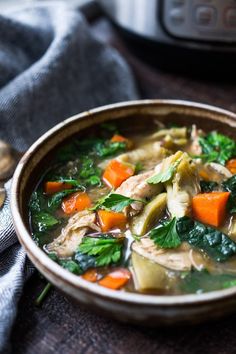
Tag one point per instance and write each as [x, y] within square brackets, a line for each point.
[201, 32]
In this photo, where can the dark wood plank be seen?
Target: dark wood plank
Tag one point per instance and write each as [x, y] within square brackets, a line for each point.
[60, 326]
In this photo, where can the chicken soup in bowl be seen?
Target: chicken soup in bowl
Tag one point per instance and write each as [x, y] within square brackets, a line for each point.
[141, 210]
[129, 210]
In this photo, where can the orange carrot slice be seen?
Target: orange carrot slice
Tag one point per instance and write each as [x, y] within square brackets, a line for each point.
[122, 139]
[54, 187]
[110, 219]
[116, 173]
[90, 275]
[116, 279]
[231, 165]
[210, 208]
[76, 202]
[203, 174]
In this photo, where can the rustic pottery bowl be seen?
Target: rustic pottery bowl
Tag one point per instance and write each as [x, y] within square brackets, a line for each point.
[129, 307]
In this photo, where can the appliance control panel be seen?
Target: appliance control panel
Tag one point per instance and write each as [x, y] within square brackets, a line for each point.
[213, 20]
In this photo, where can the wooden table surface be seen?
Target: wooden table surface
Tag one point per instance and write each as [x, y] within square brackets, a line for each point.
[62, 327]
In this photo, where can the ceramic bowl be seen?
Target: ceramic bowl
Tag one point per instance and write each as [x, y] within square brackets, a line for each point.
[124, 306]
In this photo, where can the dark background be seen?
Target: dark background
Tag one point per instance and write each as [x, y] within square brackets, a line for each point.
[59, 326]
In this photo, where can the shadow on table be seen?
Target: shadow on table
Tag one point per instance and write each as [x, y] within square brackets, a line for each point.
[60, 326]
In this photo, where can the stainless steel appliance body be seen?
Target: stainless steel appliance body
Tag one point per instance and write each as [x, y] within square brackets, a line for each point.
[202, 24]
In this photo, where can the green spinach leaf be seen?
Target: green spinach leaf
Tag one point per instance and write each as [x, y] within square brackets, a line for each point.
[36, 201]
[72, 182]
[88, 168]
[89, 173]
[229, 283]
[138, 167]
[100, 147]
[88, 145]
[42, 221]
[67, 152]
[110, 127]
[93, 181]
[108, 148]
[86, 174]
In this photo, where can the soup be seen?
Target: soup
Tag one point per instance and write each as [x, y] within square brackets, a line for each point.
[141, 210]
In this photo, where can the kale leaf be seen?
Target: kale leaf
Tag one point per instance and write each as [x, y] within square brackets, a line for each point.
[202, 281]
[217, 147]
[85, 261]
[165, 235]
[208, 186]
[69, 264]
[216, 244]
[230, 186]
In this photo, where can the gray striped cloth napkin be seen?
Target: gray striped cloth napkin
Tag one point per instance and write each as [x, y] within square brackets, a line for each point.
[51, 67]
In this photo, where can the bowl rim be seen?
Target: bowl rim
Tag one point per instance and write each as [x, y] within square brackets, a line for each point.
[39, 256]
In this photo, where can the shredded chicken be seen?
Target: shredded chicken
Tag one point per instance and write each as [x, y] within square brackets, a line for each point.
[194, 148]
[148, 155]
[171, 138]
[182, 258]
[136, 187]
[213, 171]
[78, 225]
[176, 134]
[175, 259]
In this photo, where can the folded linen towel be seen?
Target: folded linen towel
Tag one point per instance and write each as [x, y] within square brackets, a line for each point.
[51, 67]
